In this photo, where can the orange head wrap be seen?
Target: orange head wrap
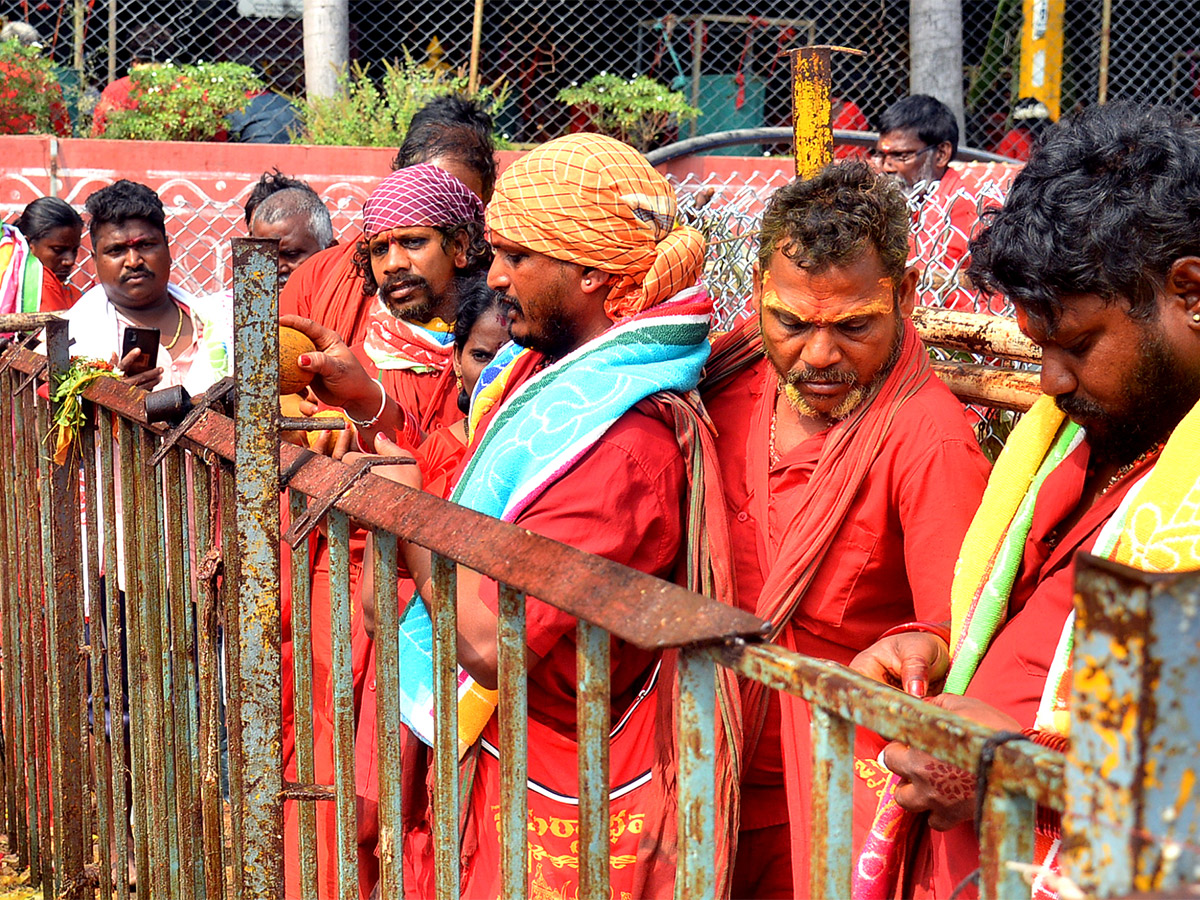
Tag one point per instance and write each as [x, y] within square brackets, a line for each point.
[594, 201]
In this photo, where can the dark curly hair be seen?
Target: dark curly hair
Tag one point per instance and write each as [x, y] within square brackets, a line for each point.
[1105, 206]
[456, 127]
[833, 218]
[121, 201]
[479, 253]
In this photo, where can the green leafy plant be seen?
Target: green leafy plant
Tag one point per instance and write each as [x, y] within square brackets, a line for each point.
[31, 99]
[183, 103]
[637, 110]
[366, 113]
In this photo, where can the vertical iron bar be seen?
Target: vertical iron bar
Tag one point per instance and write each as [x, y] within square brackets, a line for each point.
[697, 776]
[235, 687]
[178, 618]
[302, 706]
[256, 434]
[832, 807]
[811, 110]
[1007, 835]
[514, 735]
[387, 712]
[14, 757]
[98, 640]
[446, 839]
[594, 705]
[115, 656]
[139, 736]
[28, 616]
[46, 752]
[343, 704]
[208, 618]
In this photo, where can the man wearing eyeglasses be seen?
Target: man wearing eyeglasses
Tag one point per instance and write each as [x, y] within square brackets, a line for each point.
[918, 137]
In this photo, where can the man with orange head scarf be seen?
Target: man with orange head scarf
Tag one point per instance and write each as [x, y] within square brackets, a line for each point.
[850, 476]
[611, 330]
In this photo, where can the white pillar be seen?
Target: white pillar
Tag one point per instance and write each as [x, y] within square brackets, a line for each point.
[326, 44]
[935, 49]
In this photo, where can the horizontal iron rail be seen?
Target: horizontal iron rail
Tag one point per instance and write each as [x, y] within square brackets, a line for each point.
[645, 611]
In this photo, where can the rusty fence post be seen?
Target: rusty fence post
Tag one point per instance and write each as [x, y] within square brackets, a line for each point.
[65, 600]
[812, 110]
[256, 489]
[697, 777]
[1132, 819]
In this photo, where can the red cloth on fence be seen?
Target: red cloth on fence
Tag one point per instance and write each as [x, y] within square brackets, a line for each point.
[891, 561]
[1013, 672]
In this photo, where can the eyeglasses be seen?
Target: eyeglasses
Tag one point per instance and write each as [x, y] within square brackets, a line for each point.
[900, 157]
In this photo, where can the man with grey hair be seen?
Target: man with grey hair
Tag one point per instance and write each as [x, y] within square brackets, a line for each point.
[301, 223]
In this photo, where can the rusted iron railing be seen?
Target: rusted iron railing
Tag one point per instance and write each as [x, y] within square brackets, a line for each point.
[197, 537]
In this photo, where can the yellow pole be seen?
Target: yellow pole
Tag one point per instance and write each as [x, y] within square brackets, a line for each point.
[476, 38]
[812, 109]
[1042, 53]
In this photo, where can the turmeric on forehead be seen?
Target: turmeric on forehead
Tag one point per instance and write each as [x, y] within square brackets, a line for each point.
[817, 308]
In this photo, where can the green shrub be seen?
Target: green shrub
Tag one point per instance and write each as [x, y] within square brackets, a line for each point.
[638, 110]
[368, 114]
[31, 99]
[183, 103]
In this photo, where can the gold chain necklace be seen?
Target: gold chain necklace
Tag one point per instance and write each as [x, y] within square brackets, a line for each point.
[773, 453]
[178, 329]
[1130, 466]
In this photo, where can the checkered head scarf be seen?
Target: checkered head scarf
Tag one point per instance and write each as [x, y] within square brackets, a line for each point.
[420, 196]
[594, 201]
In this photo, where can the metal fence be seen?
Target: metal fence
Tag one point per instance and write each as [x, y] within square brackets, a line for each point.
[198, 520]
[723, 55]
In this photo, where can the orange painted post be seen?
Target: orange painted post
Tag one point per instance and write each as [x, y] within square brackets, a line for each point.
[812, 109]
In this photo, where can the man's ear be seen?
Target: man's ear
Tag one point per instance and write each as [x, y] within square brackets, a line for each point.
[1183, 284]
[906, 293]
[943, 154]
[756, 287]
[591, 280]
[462, 246]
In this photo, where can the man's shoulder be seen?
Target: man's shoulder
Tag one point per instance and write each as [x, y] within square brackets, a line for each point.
[931, 418]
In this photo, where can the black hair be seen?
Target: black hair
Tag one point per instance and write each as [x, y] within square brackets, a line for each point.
[121, 201]
[929, 117]
[479, 253]
[45, 214]
[834, 217]
[474, 299]
[456, 127]
[272, 183]
[1105, 206]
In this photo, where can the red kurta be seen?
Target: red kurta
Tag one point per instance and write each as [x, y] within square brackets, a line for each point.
[891, 562]
[1013, 672]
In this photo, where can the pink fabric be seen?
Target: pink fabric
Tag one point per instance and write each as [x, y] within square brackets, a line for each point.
[420, 196]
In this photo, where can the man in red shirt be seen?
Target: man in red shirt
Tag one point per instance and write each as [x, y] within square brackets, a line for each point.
[918, 137]
[604, 300]
[850, 475]
[1100, 253]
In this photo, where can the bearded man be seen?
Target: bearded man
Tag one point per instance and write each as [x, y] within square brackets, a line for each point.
[850, 475]
[611, 329]
[1098, 245]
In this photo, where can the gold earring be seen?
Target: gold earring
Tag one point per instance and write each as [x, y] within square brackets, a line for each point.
[458, 381]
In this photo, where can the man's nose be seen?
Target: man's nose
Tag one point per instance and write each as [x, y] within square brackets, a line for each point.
[1056, 378]
[397, 259]
[133, 258]
[497, 277]
[821, 350]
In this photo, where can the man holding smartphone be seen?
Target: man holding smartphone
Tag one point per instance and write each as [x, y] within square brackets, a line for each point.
[134, 317]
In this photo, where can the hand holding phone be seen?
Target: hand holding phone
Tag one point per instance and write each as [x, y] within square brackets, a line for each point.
[144, 340]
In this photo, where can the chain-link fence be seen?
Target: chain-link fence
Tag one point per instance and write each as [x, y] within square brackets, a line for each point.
[724, 56]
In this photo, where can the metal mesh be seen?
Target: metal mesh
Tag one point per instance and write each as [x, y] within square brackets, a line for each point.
[726, 61]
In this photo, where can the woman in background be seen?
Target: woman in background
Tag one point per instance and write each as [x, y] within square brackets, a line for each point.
[54, 231]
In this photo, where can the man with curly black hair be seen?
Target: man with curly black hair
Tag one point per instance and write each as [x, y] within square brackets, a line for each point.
[850, 476]
[1098, 246]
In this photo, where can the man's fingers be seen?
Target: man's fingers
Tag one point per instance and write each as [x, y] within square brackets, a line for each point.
[914, 674]
[318, 363]
[323, 337]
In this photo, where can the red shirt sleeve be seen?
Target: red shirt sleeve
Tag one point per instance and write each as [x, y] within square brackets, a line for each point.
[55, 297]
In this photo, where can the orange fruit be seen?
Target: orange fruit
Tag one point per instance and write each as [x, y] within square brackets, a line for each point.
[292, 345]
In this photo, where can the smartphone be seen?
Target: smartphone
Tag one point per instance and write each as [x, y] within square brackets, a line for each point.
[144, 339]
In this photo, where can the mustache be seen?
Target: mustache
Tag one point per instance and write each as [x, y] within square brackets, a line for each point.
[511, 301]
[809, 375]
[1078, 408]
[395, 282]
[140, 270]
